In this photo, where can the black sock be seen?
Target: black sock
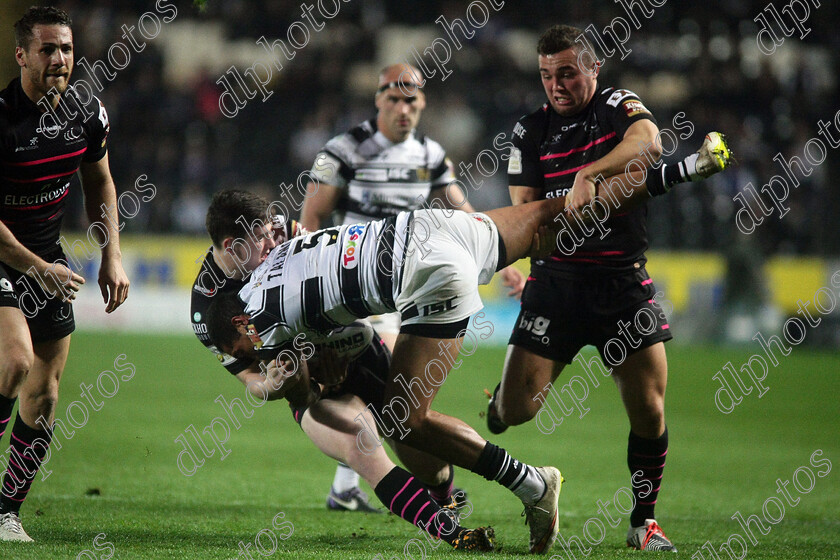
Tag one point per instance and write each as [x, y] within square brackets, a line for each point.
[6, 407]
[647, 456]
[406, 497]
[27, 450]
[659, 181]
[495, 463]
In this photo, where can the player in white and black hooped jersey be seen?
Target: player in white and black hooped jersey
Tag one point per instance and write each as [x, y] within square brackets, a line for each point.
[427, 265]
[381, 167]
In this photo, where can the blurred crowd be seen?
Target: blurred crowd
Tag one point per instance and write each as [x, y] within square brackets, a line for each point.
[693, 57]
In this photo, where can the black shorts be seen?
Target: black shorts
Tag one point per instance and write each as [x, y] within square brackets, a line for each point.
[366, 377]
[616, 314]
[48, 318]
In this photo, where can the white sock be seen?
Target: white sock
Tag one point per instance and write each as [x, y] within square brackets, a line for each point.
[345, 479]
[690, 164]
[532, 487]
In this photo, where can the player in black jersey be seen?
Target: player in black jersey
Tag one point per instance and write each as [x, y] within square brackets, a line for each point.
[598, 289]
[47, 133]
[242, 237]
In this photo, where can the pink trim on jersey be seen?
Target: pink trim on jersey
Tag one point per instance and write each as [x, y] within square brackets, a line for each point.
[35, 207]
[391, 507]
[530, 279]
[46, 160]
[41, 178]
[567, 171]
[572, 259]
[648, 281]
[666, 326]
[599, 253]
[581, 149]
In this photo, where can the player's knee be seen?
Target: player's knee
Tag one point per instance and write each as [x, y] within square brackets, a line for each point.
[14, 367]
[515, 413]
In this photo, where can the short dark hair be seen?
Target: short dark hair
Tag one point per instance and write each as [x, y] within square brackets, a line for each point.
[220, 328]
[229, 205]
[559, 38]
[38, 15]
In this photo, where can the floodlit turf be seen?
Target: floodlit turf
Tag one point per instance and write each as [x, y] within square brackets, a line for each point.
[118, 476]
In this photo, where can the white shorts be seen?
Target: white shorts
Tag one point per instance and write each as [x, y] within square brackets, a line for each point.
[387, 323]
[446, 260]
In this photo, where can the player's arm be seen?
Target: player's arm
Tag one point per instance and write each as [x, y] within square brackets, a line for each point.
[321, 199]
[58, 279]
[451, 196]
[272, 380]
[640, 134]
[101, 206]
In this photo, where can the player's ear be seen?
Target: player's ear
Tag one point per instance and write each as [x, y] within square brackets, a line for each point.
[379, 100]
[241, 323]
[421, 100]
[19, 54]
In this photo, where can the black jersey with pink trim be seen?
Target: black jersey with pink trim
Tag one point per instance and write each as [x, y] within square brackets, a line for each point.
[549, 149]
[38, 166]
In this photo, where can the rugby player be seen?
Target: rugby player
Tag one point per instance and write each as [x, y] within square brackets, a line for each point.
[594, 293]
[344, 391]
[426, 265]
[37, 170]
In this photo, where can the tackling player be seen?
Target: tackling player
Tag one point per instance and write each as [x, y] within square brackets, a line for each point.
[37, 169]
[315, 283]
[595, 293]
[242, 238]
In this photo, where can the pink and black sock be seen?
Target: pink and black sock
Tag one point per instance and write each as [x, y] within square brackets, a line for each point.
[442, 493]
[647, 456]
[406, 497]
[27, 450]
[6, 407]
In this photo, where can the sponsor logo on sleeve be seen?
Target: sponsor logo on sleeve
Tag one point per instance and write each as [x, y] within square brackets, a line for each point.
[634, 107]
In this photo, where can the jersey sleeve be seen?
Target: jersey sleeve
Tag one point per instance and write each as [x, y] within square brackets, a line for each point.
[330, 165]
[98, 128]
[524, 161]
[441, 170]
[624, 108]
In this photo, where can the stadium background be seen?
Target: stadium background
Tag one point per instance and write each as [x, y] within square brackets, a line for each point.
[699, 58]
[119, 474]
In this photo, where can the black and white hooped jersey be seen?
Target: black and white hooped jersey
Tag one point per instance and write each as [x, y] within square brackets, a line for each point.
[326, 279]
[380, 178]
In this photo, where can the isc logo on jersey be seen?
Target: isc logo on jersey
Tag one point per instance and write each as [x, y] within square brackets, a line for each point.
[351, 245]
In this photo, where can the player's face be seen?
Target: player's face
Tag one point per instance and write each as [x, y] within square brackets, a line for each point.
[242, 349]
[399, 113]
[48, 60]
[254, 249]
[568, 88]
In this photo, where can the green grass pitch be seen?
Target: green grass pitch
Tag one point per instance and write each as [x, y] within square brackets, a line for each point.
[117, 476]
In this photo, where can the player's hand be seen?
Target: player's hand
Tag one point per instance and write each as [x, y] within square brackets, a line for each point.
[543, 243]
[513, 279]
[328, 368]
[113, 283]
[60, 280]
[582, 193]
